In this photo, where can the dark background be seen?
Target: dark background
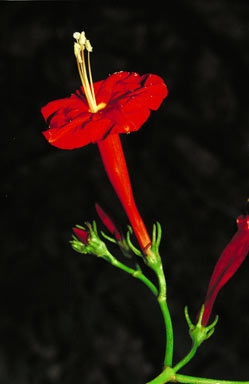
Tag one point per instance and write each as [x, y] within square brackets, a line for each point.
[69, 318]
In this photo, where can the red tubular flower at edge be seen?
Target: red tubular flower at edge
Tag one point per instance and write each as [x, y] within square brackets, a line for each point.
[98, 113]
[228, 263]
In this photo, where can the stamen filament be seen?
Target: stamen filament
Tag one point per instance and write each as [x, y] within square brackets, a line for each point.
[90, 77]
[79, 47]
[80, 73]
[92, 104]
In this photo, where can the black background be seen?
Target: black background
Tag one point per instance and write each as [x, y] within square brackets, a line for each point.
[70, 318]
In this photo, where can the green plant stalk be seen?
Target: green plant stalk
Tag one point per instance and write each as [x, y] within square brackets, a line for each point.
[138, 274]
[154, 261]
[167, 375]
[201, 380]
[187, 358]
[162, 301]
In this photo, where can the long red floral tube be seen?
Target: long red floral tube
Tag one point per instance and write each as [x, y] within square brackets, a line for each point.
[228, 263]
[98, 113]
[115, 165]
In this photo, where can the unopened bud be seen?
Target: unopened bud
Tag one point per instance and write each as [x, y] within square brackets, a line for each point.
[88, 241]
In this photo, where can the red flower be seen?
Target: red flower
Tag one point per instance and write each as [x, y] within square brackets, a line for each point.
[228, 263]
[98, 113]
[124, 101]
[108, 222]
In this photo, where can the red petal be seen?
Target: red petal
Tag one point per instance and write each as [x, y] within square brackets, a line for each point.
[64, 107]
[108, 222]
[77, 133]
[132, 98]
[149, 90]
[53, 107]
[130, 117]
[228, 263]
[82, 235]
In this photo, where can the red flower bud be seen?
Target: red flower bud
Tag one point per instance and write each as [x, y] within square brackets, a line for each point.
[82, 235]
[228, 263]
[108, 222]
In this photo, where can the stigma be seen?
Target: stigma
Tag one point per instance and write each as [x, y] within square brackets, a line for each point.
[80, 46]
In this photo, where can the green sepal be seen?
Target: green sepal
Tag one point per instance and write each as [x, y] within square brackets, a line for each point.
[122, 244]
[77, 245]
[198, 332]
[136, 251]
[153, 258]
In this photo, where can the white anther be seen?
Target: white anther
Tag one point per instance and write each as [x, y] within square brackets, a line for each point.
[76, 35]
[88, 46]
[86, 78]
[82, 38]
[77, 52]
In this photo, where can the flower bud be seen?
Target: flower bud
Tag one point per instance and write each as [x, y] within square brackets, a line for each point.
[88, 241]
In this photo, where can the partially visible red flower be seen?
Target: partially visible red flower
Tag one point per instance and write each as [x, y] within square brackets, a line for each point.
[228, 263]
[82, 235]
[98, 113]
[107, 221]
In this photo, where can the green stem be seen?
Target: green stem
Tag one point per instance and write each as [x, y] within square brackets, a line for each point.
[168, 357]
[187, 358]
[140, 276]
[162, 300]
[137, 274]
[166, 376]
[201, 380]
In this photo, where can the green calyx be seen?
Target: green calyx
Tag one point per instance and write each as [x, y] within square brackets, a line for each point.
[94, 246]
[77, 245]
[153, 258]
[198, 332]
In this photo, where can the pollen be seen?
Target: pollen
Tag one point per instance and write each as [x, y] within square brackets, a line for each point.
[85, 73]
